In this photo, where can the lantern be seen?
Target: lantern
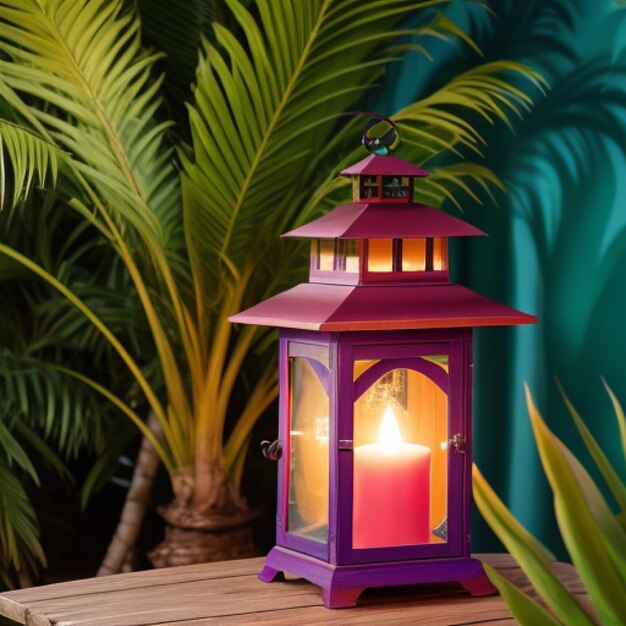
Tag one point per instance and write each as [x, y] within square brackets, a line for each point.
[375, 357]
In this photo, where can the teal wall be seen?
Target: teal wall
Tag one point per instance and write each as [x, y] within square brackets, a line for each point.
[557, 239]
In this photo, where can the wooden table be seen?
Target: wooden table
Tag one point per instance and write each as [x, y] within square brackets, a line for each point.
[229, 593]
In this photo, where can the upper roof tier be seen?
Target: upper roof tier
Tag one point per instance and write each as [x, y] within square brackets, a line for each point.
[392, 275]
[383, 220]
[378, 165]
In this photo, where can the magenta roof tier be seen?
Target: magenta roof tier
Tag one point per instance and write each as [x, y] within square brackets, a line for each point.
[383, 220]
[341, 308]
[376, 164]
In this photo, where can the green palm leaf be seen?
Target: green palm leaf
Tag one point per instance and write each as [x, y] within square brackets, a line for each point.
[526, 611]
[432, 124]
[260, 120]
[614, 482]
[452, 182]
[619, 415]
[86, 59]
[33, 159]
[43, 401]
[530, 554]
[594, 551]
[20, 549]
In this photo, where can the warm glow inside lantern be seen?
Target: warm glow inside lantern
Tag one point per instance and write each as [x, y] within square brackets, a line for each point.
[375, 358]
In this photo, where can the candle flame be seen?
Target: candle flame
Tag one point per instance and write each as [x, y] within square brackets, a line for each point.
[389, 435]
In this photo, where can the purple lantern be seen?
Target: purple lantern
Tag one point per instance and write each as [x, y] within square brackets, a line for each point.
[374, 449]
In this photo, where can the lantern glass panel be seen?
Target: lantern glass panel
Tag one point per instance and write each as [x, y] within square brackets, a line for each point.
[352, 251]
[308, 447]
[380, 255]
[400, 470]
[327, 255]
[369, 187]
[440, 254]
[395, 187]
[414, 255]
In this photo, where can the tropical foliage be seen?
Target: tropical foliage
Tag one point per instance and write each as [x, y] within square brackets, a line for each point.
[47, 419]
[190, 203]
[594, 536]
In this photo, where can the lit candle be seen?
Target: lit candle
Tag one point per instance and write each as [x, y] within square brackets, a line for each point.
[391, 490]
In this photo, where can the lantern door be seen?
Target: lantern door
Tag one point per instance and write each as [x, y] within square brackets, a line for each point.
[306, 423]
[402, 472]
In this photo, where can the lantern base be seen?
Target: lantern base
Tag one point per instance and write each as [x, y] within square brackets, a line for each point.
[342, 584]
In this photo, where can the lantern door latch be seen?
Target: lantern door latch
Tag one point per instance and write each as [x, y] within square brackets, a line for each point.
[458, 443]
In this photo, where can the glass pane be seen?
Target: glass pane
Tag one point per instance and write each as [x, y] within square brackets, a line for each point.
[352, 253]
[380, 255]
[413, 255]
[369, 187]
[327, 255]
[315, 254]
[440, 254]
[401, 461]
[361, 366]
[308, 461]
[393, 187]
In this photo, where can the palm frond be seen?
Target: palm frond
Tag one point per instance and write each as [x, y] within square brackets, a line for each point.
[530, 554]
[261, 119]
[611, 477]
[33, 160]
[439, 121]
[43, 401]
[85, 59]
[129, 361]
[526, 610]
[460, 180]
[20, 549]
[14, 453]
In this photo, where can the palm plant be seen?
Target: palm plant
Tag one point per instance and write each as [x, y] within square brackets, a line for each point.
[595, 537]
[195, 223]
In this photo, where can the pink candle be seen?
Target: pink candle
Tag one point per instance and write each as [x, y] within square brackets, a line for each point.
[391, 490]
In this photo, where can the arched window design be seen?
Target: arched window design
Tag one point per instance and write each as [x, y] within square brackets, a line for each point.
[400, 466]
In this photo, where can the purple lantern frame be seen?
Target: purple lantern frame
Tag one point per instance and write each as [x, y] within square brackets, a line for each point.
[393, 319]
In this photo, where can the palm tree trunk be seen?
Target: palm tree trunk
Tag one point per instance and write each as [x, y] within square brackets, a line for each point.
[217, 530]
[134, 511]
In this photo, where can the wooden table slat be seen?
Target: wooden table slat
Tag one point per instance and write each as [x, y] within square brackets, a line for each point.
[229, 593]
[137, 580]
[417, 611]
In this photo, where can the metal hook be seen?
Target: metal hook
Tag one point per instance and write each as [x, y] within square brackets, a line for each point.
[271, 450]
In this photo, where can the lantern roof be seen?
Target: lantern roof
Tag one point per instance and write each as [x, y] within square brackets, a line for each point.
[342, 308]
[388, 165]
[384, 220]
